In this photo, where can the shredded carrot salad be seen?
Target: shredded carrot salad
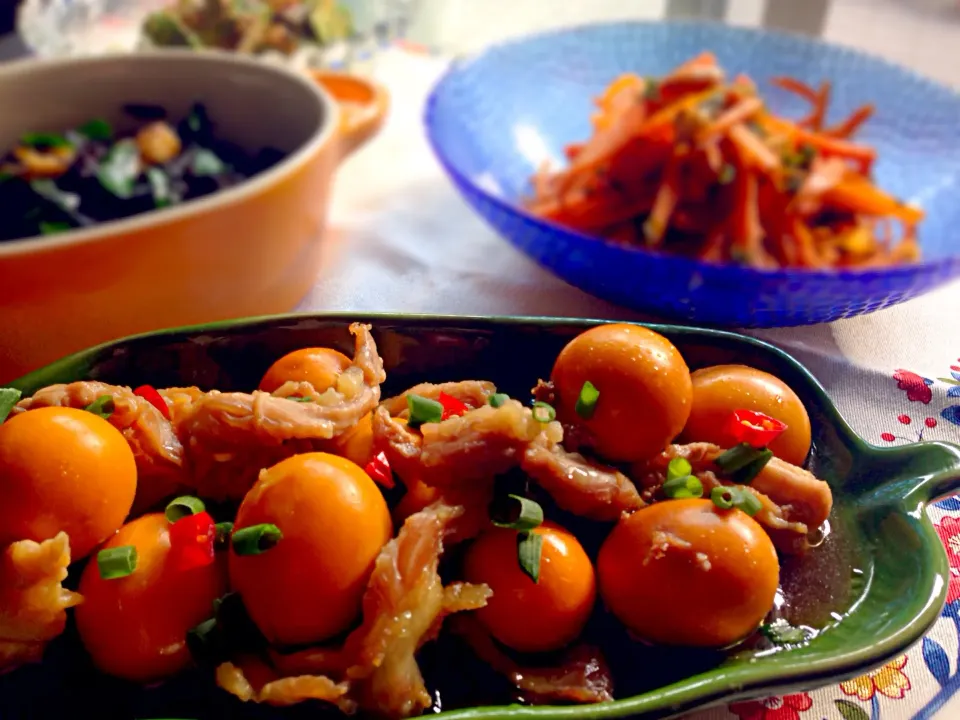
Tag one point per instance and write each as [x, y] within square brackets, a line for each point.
[696, 164]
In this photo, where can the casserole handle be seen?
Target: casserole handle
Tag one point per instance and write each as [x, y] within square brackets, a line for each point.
[363, 106]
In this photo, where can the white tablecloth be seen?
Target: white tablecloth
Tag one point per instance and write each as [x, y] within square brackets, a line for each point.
[402, 240]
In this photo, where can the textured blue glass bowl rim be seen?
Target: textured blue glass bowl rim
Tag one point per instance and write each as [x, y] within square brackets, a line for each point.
[948, 265]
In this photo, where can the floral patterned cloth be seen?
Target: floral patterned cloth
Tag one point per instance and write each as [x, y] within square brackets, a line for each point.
[403, 241]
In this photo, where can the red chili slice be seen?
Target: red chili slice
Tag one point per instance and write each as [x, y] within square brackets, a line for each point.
[451, 406]
[379, 471]
[150, 394]
[755, 428]
[191, 541]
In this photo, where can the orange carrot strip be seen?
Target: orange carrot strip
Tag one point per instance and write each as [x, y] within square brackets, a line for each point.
[737, 114]
[860, 196]
[747, 232]
[819, 98]
[752, 148]
[795, 86]
[815, 119]
[849, 126]
[663, 206]
[806, 247]
[712, 250]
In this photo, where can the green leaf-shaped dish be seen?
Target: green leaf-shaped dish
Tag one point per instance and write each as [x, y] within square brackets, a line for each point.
[893, 572]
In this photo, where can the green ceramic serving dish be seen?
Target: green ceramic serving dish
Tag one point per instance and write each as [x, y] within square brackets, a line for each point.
[882, 575]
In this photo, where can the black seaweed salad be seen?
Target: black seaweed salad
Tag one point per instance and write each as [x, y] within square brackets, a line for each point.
[54, 182]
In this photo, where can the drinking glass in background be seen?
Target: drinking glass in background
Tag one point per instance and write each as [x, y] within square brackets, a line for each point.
[347, 33]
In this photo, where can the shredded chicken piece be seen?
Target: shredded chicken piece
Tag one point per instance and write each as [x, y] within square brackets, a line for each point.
[180, 401]
[474, 498]
[255, 681]
[793, 500]
[579, 485]
[33, 601]
[580, 676]
[230, 437]
[475, 446]
[156, 448]
[262, 418]
[472, 393]
[402, 607]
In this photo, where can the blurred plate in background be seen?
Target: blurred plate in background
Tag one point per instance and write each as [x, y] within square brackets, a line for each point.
[307, 33]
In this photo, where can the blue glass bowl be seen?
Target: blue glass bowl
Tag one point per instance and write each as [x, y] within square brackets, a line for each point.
[494, 117]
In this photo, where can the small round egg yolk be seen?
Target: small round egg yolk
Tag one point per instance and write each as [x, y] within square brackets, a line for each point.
[334, 522]
[356, 444]
[135, 627]
[533, 616]
[644, 387]
[63, 469]
[318, 366]
[683, 572]
[720, 390]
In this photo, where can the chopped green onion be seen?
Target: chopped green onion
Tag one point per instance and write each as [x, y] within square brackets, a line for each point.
[529, 549]
[9, 397]
[729, 497]
[102, 406]
[201, 640]
[727, 174]
[722, 497]
[182, 507]
[736, 457]
[423, 410]
[544, 412]
[120, 169]
[756, 128]
[308, 398]
[159, 187]
[97, 129]
[587, 402]
[743, 459]
[48, 190]
[688, 486]
[256, 539]
[806, 152]
[498, 399]
[197, 120]
[678, 468]
[748, 472]
[206, 162]
[520, 514]
[52, 228]
[223, 531]
[44, 141]
[117, 562]
[748, 502]
[793, 182]
[651, 90]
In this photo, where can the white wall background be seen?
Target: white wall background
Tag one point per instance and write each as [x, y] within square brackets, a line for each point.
[917, 33]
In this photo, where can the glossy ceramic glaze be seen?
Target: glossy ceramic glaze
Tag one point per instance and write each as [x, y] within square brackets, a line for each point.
[495, 117]
[252, 249]
[880, 498]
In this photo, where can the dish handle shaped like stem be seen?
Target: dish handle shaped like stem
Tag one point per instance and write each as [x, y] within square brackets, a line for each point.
[921, 473]
[943, 476]
[363, 107]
